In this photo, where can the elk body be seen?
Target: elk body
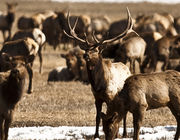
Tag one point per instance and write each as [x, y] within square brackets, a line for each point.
[76, 64]
[26, 48]
[131, 50]
[141, 93]
[11, 89]
[35, 34]
[60, 74]
[161, 51]
[34, 21]
[52, 30]
[6, 20]
[106, 78]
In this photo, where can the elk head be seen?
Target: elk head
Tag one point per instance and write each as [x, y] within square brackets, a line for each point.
[96, 45]
[94, 48]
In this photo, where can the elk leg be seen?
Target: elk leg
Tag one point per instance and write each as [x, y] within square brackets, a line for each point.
[144, 64]
[30, 73]
[166, 61]
[1, 127]
[98, 104]
[7, 123]
[4, 36]
[137, 121]
[134, 66]
[131, 65]
[40, 59]
[124, 126]
[177, 116]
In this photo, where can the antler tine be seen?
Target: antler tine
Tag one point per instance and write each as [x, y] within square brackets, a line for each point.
[94, 37]
[127, 30]
[75, 23]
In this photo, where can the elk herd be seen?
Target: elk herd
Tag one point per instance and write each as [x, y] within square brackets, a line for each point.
[120, 60]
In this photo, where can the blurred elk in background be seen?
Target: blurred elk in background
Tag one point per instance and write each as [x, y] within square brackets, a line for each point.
[37, 35]
[34, 21]
[6, 20]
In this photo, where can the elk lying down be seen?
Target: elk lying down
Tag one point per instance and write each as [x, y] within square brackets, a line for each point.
[11, 89]
[140, 93]
[23, 47]
[106, 78]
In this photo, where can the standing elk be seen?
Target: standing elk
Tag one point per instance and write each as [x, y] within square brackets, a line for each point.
[38, 37]
[106, 78]
[6, 20]
[131, 50]
[141, 93]
[52, 30]
[23, 47]
[161, 51]
[11, 89]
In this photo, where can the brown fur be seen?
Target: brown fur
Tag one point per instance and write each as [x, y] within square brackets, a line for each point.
[34, 21]
[11, 90]
[26, 48]
[6, 20]
[38, 37]
[141, 93]
[106, 78]
[130, 50]
[161, 51]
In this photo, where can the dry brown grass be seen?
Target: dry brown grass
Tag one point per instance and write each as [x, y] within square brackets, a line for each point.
[72, 103]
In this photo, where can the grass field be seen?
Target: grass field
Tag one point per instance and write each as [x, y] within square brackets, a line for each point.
[72, 103]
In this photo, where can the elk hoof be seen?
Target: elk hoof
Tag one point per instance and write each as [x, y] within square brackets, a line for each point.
[96, 136]
[29, 91]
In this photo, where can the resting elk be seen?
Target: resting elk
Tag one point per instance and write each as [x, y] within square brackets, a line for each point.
[6, 20]
[106, 78]
[140, 93]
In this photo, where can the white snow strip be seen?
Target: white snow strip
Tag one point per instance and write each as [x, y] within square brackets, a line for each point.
[73, 132]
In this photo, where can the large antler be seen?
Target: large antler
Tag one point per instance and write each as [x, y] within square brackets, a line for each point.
[98, 43]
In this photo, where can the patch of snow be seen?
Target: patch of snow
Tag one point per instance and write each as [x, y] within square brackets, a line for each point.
[73, 132]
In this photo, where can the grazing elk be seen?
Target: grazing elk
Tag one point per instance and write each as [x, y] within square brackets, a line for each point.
[140, 93]
[131, 50]
[38, 37]
[161, 51]
[11, 89]
[106, 78]
[6, 20]
[23, 47]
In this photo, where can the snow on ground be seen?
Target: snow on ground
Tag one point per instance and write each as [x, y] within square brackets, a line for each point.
[78, 133]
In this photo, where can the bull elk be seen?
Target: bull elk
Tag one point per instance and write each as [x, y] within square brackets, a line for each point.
[106, 78]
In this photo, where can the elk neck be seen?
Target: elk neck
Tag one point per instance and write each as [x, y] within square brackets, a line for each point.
[10, 17]
[96, 74]
[13, 89]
